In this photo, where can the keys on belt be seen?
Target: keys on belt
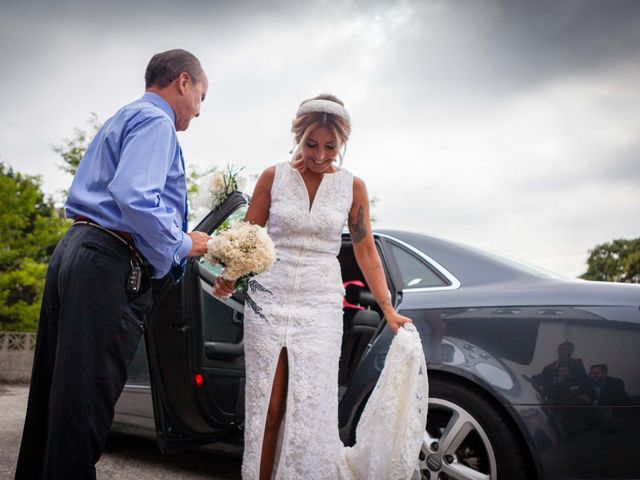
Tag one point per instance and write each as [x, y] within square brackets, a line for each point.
[134, 279]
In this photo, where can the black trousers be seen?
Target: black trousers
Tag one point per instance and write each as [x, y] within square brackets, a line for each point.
[89, 330]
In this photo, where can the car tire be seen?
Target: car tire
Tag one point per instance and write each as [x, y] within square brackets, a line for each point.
[468, 437]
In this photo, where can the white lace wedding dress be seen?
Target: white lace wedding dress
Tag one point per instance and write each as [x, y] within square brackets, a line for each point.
[302, 312]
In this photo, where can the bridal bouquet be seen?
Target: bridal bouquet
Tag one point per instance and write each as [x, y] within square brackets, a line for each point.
[244, 250]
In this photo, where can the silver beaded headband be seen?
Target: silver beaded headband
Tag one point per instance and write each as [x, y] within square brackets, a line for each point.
[324, 106]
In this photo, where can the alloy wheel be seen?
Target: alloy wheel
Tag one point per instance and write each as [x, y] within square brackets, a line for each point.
[455, 446]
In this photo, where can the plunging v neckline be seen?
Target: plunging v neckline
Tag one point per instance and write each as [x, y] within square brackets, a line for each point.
[311, 204]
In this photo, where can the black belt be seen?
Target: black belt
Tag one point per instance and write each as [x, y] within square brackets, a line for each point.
[124, 237]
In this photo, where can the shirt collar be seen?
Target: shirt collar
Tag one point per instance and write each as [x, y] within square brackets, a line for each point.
[161, 103]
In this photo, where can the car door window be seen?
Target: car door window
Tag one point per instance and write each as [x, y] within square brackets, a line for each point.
[414, 272]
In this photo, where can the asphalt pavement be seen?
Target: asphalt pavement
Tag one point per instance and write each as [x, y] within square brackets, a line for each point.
[125, 457]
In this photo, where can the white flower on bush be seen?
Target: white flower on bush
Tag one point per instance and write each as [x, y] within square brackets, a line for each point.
[202, 200]
[214, 188]
[221, 184]
[217, 184]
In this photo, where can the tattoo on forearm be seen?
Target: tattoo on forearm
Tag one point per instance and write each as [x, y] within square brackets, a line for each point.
[357, 228]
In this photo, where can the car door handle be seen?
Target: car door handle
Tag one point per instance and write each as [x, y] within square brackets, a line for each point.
[237, 319]
[223, 350]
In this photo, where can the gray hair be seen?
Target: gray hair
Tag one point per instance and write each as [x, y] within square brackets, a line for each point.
[165, 67]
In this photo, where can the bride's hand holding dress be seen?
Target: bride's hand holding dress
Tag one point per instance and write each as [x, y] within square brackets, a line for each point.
[367, 255]
[396, 321]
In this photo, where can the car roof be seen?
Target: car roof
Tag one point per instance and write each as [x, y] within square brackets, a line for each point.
[487, 277]
[469, 264]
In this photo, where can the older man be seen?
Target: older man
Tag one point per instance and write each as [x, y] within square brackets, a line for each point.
[129, 205]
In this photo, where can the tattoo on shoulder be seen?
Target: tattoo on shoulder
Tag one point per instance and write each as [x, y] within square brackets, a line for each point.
[357, 227]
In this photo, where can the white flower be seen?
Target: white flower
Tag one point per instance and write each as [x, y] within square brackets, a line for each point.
[244, 249]
[222, 184]
[216, 184]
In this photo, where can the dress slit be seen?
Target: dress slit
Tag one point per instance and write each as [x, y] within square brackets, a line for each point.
[285, 360]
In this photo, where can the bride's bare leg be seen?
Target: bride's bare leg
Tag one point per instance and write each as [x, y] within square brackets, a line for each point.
[275, 414]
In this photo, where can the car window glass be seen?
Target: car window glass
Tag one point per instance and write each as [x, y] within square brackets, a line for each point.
[415, 273]
[518, 264]
[235, 217]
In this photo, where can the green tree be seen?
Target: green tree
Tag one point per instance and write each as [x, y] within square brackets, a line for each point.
[616, 261]
[30, 228]
[72, 149]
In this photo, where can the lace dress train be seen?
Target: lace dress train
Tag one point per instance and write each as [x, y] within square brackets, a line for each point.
[302, 312]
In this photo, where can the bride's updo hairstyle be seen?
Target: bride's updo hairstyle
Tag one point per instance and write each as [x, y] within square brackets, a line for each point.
[322, 111]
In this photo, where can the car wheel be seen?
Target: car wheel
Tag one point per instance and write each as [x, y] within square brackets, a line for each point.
[466, 438]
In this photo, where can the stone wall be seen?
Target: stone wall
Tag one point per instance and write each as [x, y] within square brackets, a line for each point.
[16, 356]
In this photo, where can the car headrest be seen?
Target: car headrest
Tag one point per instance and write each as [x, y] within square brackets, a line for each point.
[357, 295]
[365, 318]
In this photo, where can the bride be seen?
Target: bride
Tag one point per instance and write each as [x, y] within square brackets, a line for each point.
[292, 347]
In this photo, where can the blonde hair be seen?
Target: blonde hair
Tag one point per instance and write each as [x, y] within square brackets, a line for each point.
[303, 125]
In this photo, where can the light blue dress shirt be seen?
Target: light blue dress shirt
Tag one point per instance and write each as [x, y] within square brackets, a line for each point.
[132, 179]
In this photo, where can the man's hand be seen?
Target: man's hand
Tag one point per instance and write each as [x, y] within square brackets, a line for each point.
[199, 240]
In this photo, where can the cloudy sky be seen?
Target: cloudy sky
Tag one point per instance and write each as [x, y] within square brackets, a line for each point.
[509, 125]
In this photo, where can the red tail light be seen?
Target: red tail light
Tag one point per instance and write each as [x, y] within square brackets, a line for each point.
[199, 380]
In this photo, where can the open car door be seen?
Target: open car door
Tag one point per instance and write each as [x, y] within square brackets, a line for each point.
[195, 350]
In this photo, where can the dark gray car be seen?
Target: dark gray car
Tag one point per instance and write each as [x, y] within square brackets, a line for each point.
[531, 375]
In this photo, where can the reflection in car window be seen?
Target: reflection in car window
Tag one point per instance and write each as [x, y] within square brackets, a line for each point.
[415, 274]
[235, 217]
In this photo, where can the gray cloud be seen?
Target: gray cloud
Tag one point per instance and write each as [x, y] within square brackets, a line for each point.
[505, 124]
[616, 167]
[480, 50]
